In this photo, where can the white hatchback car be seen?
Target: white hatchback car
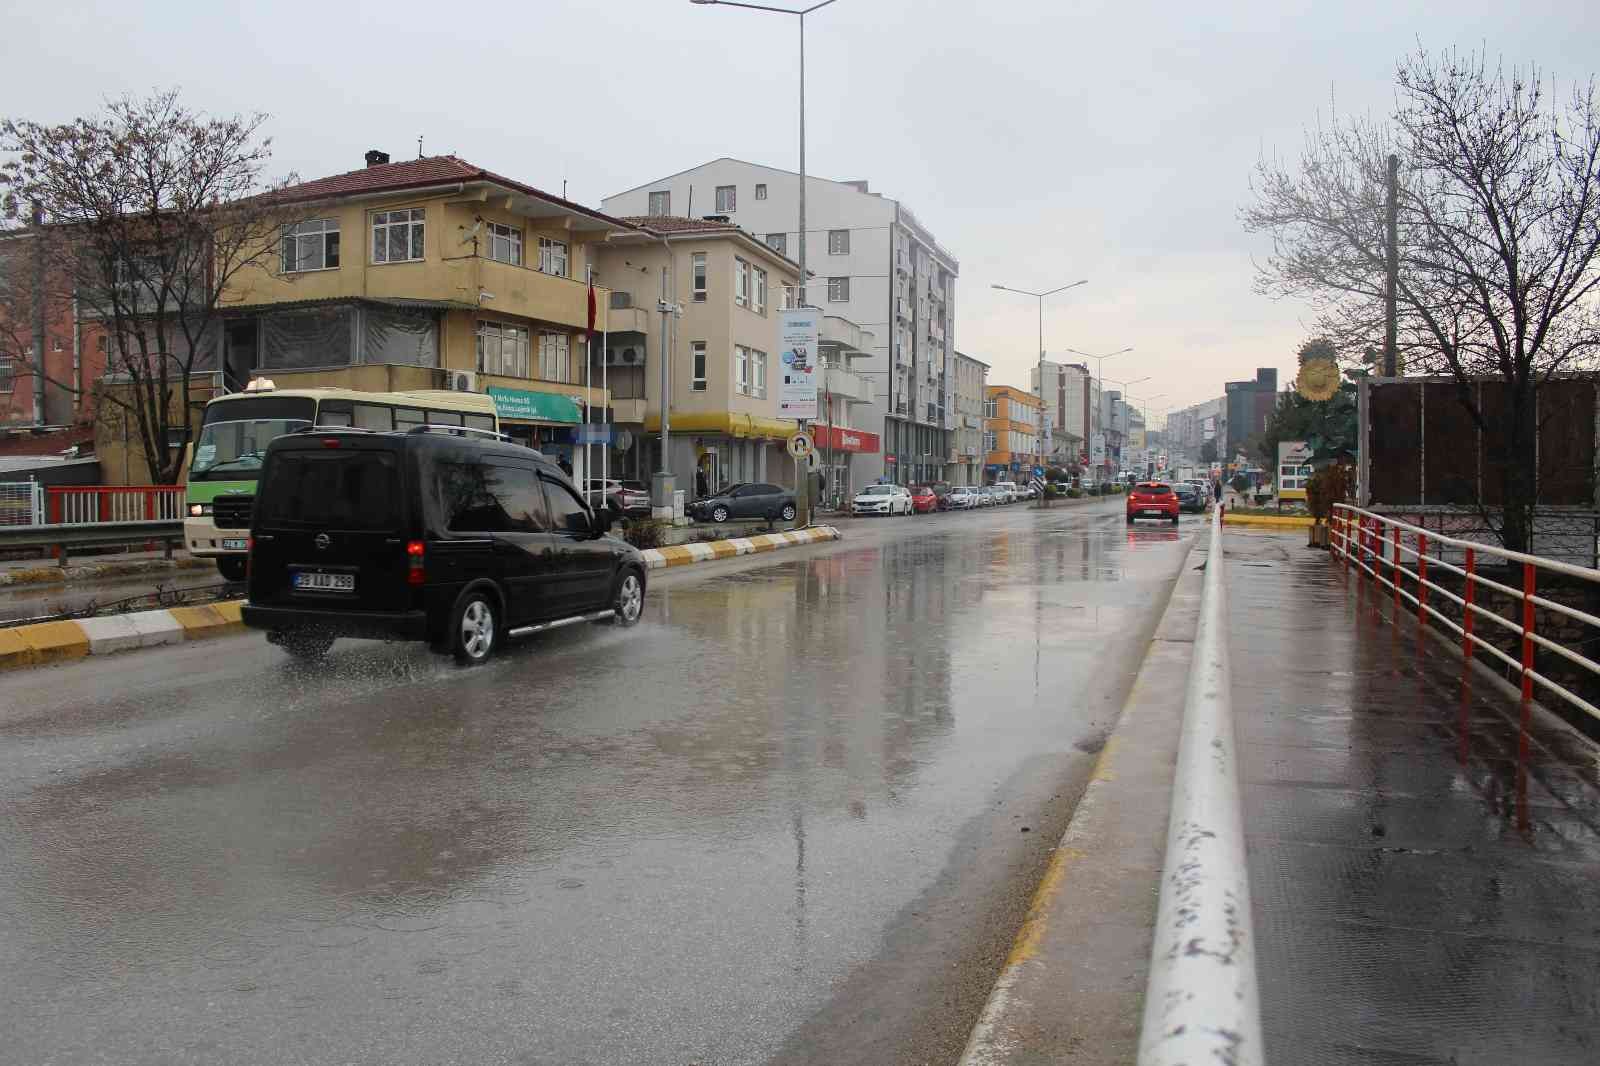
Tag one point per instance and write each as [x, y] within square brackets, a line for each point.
[882, 499]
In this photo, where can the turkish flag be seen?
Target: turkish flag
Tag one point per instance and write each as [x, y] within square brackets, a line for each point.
[591, 309]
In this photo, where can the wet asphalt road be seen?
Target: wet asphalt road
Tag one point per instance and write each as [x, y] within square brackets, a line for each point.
[779, 821]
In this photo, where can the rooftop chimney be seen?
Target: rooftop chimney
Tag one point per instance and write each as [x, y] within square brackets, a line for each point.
[377, 158]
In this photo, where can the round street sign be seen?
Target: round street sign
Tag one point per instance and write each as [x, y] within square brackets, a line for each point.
[800, 445]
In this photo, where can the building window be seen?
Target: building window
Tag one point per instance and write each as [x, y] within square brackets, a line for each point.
[727, 199]
[697, 362]
[553, 257]
[312, 245]
[741, 369]
[838, 242]
[778, 242]
[839, 290]
[660, 203]
[760, 293]
[8, 375]
[699, 270]
[741, 282]
[555, 357]
[502, 349]
[991, 409]
[505, 244]
[397, 235]
[991, 441]
[761, 192]
[758, 374]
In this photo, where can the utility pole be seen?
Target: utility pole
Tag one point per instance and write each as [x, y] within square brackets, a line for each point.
[39, 404]
[1391, 326]
[662, 485]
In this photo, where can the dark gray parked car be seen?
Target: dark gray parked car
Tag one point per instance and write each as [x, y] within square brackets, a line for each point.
[753, 499]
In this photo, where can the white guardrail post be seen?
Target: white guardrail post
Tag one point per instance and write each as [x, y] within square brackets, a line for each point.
[1201, 1003]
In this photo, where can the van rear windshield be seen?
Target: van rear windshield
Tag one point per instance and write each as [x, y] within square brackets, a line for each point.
[357, 490]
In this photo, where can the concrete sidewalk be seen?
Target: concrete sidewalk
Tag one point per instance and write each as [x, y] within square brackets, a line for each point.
[1401, 914]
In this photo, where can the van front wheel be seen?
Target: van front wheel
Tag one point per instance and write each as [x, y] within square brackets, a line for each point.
[232, 567]
[473, 629]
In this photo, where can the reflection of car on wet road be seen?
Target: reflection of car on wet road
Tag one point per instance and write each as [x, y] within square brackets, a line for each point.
[427, 536]
[1152, 499]
[882, 499]
[752, 500]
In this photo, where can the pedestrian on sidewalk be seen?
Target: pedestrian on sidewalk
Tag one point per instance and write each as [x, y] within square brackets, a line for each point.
[1216, 487]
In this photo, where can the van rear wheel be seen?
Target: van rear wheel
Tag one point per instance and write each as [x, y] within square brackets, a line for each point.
[473, 629]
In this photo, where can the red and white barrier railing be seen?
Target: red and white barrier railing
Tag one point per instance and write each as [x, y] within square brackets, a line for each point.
[1410, 561]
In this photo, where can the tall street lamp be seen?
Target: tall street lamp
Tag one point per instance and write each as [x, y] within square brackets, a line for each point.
[1040, 296]
[1099, 363]
[803, 488]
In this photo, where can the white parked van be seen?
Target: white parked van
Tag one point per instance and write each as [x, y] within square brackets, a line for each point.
[1008, 491]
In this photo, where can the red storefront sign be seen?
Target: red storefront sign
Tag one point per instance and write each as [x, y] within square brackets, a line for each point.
[844, 440]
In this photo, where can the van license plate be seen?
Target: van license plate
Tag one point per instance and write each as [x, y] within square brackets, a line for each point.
[235, 545]
[325, 582]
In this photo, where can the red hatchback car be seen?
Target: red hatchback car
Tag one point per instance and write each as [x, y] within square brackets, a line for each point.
[924, 500]
[1152, 499]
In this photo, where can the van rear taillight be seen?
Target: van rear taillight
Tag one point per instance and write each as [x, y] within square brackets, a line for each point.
[415, 554]
[330, 442]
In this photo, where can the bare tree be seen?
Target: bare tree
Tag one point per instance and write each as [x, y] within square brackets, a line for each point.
[1499, 241]
[142, 218]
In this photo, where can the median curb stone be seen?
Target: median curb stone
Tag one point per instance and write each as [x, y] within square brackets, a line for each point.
[1277, 521]
[48, 642]
[684, 554]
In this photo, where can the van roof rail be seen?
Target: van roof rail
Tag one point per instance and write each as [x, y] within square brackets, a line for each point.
[332, 429]
[437, 428]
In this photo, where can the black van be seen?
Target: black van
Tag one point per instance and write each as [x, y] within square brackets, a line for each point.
[444, 535]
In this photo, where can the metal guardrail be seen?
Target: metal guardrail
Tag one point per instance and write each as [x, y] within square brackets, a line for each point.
[65, 536]
[1201, 1001]
[73, 504]
[1377, 545]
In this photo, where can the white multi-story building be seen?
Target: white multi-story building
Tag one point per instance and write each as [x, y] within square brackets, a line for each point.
[972, 377]
[871, 262]
[1188, 428]
[1072, 396]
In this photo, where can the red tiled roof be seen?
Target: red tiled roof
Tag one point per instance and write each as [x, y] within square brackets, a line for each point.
[418, 174]
[676, 224]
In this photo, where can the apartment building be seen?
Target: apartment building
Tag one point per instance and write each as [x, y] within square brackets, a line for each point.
[1011, 422]
[723, 351]
[871, 262]
[972, 381]
[1249, 406]
[49, 359]
[430, 273]
[1189, 428]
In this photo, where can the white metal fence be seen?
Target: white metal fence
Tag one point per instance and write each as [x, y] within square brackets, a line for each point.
[21, 504]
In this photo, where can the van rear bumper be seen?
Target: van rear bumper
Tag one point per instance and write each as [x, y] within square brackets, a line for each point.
[374, 625]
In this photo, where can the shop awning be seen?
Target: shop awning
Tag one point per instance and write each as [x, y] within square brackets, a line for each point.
[731, 423]
[522, 405]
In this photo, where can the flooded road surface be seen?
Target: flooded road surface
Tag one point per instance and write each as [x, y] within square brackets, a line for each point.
[793, 816]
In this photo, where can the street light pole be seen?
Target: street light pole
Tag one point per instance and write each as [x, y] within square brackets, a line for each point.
[1099, 380]
[803, 480]
[1040, 296]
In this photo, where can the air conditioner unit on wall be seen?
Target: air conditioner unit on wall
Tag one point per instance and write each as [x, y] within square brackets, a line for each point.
[626, 355]
[463, 381]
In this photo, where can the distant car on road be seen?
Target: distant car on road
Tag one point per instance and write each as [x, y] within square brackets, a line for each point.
[631, 497]
[924, 500]
[882, 499]
[961, 498]
[1007, 490]
[1153, 499]
[1190, 498]
[755, 499]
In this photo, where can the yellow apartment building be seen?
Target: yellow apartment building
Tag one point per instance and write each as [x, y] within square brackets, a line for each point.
[1011, 421]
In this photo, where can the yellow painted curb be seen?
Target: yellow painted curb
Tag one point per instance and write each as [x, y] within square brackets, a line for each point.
[52, 642]
[677, 555]
[208, 620]
[1286, 521]
[723, 549]
[14, 651]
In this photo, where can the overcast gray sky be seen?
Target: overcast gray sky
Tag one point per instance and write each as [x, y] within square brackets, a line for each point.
[1041, 140]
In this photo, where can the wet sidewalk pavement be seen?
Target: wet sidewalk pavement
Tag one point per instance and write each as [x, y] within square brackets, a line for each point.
[1408, 909]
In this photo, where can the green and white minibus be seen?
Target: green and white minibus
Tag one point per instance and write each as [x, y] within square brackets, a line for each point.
[236, 429]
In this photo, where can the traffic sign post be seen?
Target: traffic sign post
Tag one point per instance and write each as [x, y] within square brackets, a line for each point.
[803, 452]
